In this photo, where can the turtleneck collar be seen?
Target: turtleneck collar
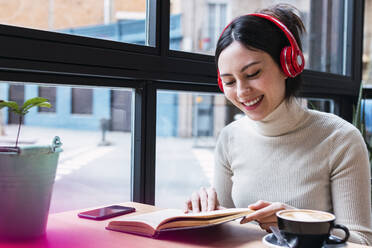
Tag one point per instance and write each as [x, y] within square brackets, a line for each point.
[284, 119]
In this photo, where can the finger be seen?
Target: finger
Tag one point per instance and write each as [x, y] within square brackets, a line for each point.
[243, 220]
[265, 212]
[266, 226]
[195, 202]
[219, 207]
[212, 199]
[259, 204]
[269, 219]
[203, 199]
[188, 206]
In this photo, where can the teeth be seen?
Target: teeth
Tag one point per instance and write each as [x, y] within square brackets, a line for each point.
[250, 103]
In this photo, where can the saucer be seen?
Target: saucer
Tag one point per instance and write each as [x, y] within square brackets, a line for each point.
[270, 240]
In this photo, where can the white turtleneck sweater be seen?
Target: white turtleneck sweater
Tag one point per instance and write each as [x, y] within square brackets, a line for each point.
[305, 158]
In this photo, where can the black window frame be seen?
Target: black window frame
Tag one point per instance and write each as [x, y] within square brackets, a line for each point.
[30, 55]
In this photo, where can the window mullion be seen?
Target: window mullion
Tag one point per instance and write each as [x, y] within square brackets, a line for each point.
[143, 144]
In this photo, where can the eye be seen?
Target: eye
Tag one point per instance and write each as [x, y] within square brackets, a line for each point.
[229, 83]
[254, 74]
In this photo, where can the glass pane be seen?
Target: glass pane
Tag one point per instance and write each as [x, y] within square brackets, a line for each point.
[118, 20]
[188, 125]
[326, 44]
[367, 111]
[82, 101]
[94, 167]
[50, 94]
[324, 105]
[367, 49]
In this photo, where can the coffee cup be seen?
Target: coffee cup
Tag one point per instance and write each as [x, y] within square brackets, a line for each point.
[309, 228]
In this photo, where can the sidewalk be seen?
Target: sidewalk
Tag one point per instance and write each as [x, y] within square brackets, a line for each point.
[44, 136]
[90, 175]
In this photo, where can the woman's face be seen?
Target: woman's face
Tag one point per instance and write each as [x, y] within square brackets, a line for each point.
[252, 81]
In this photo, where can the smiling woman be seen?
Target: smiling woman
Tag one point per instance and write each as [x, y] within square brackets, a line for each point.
[282, 155]
[253, 82]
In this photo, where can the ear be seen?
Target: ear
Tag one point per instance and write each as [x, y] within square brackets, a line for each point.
[284, 75]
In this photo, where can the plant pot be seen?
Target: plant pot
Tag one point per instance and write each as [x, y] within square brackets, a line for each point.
[26, 183]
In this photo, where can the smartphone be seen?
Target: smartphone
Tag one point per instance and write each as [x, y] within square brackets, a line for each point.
[106, 212]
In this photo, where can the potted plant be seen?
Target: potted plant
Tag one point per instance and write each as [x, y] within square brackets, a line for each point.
[27, 176]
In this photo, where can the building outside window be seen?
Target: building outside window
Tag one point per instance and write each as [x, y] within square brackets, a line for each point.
[48, 92]
[217, 20]
[82, 101]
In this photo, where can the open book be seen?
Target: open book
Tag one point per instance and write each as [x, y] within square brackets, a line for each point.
[151, 224]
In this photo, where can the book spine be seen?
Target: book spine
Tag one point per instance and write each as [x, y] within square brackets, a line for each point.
[156, 234]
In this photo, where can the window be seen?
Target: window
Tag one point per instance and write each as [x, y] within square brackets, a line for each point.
[94, 167]
[117, 20]
[326, 45]
[188, 125]
[16, 94]
[324, 105]
[121, 110]
[216, 22]
[82, 101]
[367, 47]
[367, 108]
[50, 94]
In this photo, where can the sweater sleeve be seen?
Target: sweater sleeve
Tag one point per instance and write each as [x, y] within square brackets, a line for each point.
[350, 185]
[222, 171]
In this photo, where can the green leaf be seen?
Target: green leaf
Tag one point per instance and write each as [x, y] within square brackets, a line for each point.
[13, 106]
[357, 118]
[35, 102]
[45, 105]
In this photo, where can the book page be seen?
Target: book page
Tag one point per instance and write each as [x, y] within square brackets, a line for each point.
[153, 219]
[216, 213]
[192, 222]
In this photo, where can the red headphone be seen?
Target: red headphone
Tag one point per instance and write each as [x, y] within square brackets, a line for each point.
[291, 58]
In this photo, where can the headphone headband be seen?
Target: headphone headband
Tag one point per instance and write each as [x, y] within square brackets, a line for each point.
[291, 57]
[279, 24]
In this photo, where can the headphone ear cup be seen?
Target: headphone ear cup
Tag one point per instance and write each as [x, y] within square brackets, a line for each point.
[283, 62]
[219, 81]
[287, 62]
[298, 62]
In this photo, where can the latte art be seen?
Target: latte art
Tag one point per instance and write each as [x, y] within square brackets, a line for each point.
[308, 216]
[310, 228]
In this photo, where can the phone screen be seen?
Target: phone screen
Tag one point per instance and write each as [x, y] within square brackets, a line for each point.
[106, 212]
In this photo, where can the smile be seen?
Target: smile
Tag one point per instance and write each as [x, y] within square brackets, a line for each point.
[254, 101]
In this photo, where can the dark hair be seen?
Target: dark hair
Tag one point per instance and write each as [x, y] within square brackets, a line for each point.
[259, 33]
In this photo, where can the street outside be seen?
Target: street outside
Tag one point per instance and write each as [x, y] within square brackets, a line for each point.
[91, 174]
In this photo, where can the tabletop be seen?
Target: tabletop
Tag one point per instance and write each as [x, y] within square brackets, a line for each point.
[67, 230]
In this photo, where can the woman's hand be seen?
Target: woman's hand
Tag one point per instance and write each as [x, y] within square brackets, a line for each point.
[202, 201]
[265, 213]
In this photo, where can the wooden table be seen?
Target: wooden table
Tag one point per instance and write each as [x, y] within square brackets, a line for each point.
[67, 230]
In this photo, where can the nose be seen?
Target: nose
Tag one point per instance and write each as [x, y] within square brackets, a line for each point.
[243, 89]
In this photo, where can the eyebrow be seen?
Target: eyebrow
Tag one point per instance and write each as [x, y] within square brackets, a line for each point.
[243, 68]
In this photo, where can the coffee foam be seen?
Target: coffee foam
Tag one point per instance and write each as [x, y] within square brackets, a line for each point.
[308, 216]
